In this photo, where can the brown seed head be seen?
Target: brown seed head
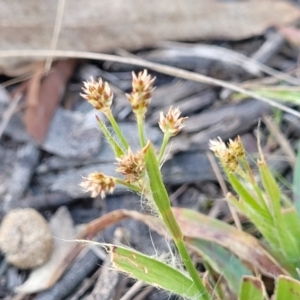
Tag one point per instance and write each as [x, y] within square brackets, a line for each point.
[132, 166]
[98, 184]
[171, 123]
[142, 88]
[98, 94]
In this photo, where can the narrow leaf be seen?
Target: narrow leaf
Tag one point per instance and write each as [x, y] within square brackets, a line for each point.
[288, 243]
[296, 183]
[271, 188]
[265, 226]
[248, 198]
[281, 93]
[153, 272]
[292, 224]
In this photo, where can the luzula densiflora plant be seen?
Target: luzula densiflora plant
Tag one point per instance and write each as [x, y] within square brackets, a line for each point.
[139, 171]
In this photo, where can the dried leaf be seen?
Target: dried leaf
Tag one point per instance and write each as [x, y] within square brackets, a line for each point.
[44, 96]
[198, 226]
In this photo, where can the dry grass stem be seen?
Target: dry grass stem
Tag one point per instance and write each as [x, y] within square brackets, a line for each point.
[281, 139]
[176, 72]
[56, 32]
[133, 290]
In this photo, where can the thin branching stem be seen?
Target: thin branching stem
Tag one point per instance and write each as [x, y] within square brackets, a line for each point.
[130, 186]
[117, 129]
[163, 147]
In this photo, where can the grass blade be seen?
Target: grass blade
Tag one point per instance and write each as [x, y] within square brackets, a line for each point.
[288, 244]
[296, 183]
[153, 272]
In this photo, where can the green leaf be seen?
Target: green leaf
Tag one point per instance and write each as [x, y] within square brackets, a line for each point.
[271, 188]
[245, 195]
[292, 223]
[288, 243]
[296, 182]
[252, 288]
[153, 272]
[223, 262]
[258, 215]
[161, 198]
[287, 288]
[282, 93]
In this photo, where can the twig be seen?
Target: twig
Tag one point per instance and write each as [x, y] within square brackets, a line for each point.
[133, 290]
[16, 80]
[146, 64]
[56, 31]
[256, 62]
[281, 139]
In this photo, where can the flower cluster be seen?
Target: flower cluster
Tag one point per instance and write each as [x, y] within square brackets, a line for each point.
[98, 184]
[171, 123]
[132, 166]
[98, 94]
[228, 156]
[142, 88]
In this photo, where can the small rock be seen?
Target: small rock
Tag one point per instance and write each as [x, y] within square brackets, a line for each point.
[25, 238]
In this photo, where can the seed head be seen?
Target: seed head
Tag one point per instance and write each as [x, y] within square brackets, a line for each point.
[237, 147]
[171, 123]
[98, 184]
[218, 147]
[142, 88]
[98, 94]
[226, 155]
[142, 83]
[132, 166]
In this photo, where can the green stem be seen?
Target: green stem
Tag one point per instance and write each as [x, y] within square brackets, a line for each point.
[117, 129]
[128, 185]
[163, 147]
[162, 201]
[140, 123]
[112, 142]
